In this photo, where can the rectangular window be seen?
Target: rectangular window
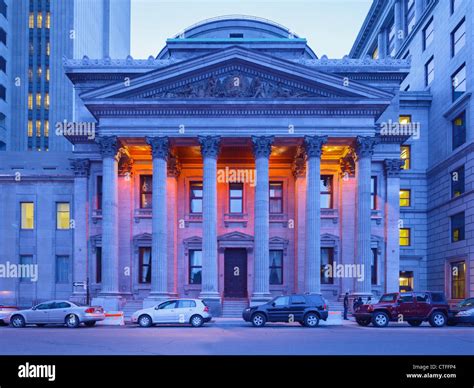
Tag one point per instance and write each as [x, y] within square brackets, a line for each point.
[374, 265]
[30, 101]
[63, 215]
[28, 261]
[428, 34]
[39, 20]
[405, 198]
[46, 101]
[31, 20]
[195, 194]
[47, 23]
[195, 266]
[410, 15]
[3, 93]
[30, 128]
[405, 155]
[146, 193]
[27, 215]
[458, 82]
[276, 197]
[38, 128]
[373, 192]
[236, 197]
[326, 191]
[457, 227]
[327, 262]
[144, 259]
[276, 267]
[62, 269]
[99, 192]
[458, 38]
[404, 119]
[429, 71]
[3, 64]
[457, 182]
[405, 237]
[98, 264]
[459, 130]
[458, 280]
[405, 281]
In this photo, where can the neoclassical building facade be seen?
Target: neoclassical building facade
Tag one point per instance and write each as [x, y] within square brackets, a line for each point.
[234, 166]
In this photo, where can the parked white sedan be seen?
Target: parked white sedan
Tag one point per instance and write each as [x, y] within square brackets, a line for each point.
[192, 311]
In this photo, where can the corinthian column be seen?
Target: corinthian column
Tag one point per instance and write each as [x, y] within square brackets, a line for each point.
[159, 242]
[262, 148]
[313, 148]
[210, 146]
[364, 151]
[392, 215]
[110, 253]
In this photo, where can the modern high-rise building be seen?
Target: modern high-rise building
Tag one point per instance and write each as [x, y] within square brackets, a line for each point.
[41, 33]
[437, 183]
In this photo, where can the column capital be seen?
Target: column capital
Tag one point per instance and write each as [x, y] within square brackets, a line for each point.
[365, 146]
[81, 167]
[159, 146]
[313, 145]
[393, 167]
[210, 146]
[108, 146]
[262, 146]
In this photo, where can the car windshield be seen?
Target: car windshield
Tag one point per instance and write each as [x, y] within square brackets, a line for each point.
[388, 298]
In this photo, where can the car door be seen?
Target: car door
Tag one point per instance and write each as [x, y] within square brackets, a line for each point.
[422, 305]
[297, 308]
[39, 314]
[278, 309]
[406, 306]
[186, 308]
[58, 312]
[166, 312]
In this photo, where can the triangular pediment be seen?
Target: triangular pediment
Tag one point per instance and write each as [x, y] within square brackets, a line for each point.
[235, 236]
[235, 73]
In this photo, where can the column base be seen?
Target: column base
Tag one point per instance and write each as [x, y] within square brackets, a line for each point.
[260, 298]
[214, 301]
[155, 298]
[110, 302]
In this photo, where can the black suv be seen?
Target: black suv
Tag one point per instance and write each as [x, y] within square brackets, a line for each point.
[306, 309]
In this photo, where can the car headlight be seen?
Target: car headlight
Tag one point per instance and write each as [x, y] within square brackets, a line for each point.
[465, 313]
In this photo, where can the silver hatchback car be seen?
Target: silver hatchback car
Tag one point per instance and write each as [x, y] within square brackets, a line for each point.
[57, 312]
[187, 311]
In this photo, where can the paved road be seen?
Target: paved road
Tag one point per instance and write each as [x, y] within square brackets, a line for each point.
[234, 337]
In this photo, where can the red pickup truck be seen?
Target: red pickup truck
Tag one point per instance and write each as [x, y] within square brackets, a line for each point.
[412, 307]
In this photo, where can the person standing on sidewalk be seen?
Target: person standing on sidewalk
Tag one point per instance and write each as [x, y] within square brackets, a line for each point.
[346, 305]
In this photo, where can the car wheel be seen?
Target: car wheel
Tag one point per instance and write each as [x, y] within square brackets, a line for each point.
[17, 321]
[363, 322]
[258, 320]
[415, 323]
[196, 321]
[437, 319]
[145, 321]
[380, 319]
[90, 323]
[72, 321]
[311, 320]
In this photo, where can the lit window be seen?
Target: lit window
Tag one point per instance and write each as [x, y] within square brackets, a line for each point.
[276, 197]
[405, 198]
[428, 34]
[429, 71]
[195, 266]
[63, 215]
[375, 53]
[404, 119]
[459, 130]
[39, 20]
[458, 82]
[30, 101]
[31, 20]
[405, 237]
[46, 128]
[144, 275]
[30, 128]
[276, 267]
[27, 215]
[38, 127]
[146, 191]
[458, 280]
[30, 78]
[327, 261]
[195, 192]
[48, 49]
[236, 191]
[47, 24]
[457, 182]
[38, 99]
[457, 227]
[405, 281]
[405, 155]
[325, 187]
[458, 38]
[46, 100]
[39, 72]
[47, 74]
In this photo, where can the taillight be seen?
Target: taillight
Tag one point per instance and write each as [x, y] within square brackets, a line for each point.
[206, 309]
[90, 310]
[325, 306]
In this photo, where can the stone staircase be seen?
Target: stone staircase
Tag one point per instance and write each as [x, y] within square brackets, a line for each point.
[232, 308]
[336, 305]
[130, 307]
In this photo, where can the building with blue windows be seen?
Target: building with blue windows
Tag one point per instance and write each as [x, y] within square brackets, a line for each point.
[237, 164]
